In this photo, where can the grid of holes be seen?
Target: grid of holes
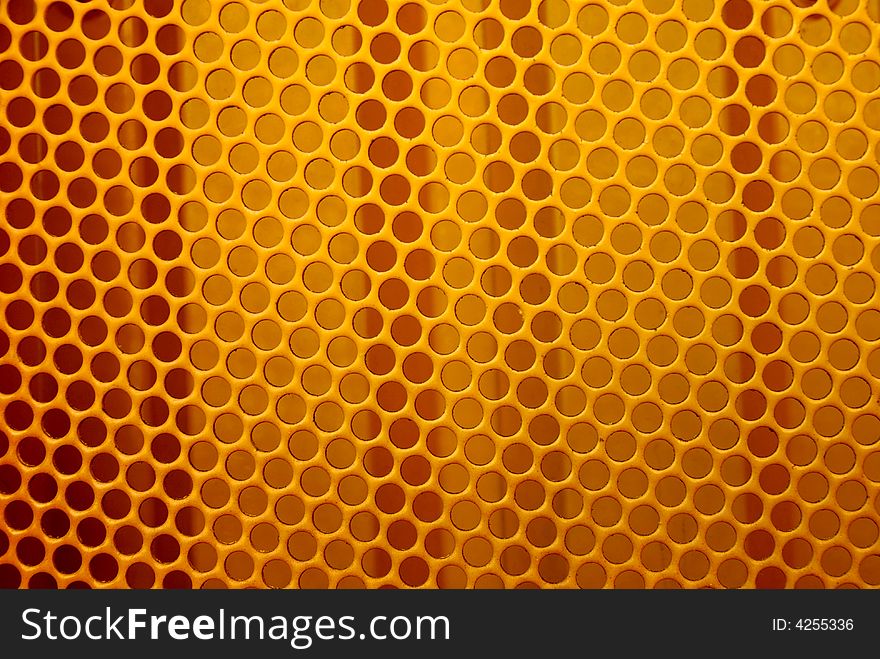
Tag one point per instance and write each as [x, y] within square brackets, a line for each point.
[459, 294]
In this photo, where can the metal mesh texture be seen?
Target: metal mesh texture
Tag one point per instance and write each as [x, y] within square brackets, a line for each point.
[489, 293]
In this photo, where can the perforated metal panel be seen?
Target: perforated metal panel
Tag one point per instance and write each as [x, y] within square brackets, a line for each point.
[456, 294]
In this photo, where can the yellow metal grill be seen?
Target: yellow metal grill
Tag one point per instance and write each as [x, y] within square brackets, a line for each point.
[489, 293]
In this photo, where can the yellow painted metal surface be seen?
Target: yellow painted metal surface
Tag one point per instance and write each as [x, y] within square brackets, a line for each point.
[490, 293]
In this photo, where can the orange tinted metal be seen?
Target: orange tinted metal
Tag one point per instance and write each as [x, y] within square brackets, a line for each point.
[454, 294]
